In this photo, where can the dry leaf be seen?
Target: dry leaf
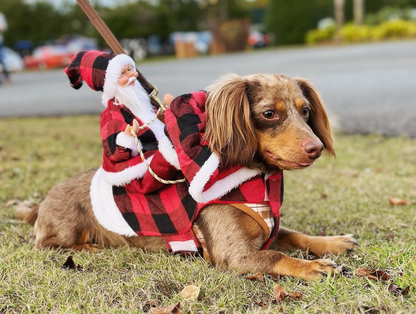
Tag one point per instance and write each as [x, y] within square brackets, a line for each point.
[295, 295]
[257, 276]
[190, 292]
[279, 293]
[372, 274]
[398, 201]
[396, 290]
[174, 308]
[263, 304]
[362, 272]
[70, 264]
[382, 275]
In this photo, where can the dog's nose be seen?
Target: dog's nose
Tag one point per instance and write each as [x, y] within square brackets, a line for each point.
[313, 148]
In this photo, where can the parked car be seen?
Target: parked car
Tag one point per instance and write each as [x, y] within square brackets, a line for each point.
[77, 43]
[45, 57]
[12, 60]
[258, 39]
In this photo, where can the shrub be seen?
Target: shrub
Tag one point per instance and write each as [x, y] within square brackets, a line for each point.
[396, 29]
[352, 33]
[320, 35]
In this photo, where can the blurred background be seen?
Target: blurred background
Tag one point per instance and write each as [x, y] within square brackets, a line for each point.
[186, 28]
[330, 42]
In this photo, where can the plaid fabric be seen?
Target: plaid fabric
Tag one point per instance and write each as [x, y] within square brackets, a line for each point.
[185, 121]
[118, 158]
[90, 67]
[171, 210]
[114, 120]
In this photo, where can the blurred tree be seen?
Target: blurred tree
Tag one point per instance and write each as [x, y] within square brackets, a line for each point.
[358, 10]
[289, 21]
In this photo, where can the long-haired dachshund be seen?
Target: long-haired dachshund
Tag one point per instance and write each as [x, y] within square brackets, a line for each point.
[266, 122]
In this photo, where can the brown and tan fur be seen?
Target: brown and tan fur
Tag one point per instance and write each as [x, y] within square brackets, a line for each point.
[260, 121]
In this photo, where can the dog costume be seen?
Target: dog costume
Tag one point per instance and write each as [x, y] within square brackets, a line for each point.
[171, 211]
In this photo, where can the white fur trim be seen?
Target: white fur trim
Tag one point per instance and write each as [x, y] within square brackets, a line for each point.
[128, 142]
[158, 128]
[125, 176]
[168, 152]
[112, 75]
[220, 187]
[105, 209]
[188, 246]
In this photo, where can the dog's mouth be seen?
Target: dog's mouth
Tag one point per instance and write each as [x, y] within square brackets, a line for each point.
[285, 164]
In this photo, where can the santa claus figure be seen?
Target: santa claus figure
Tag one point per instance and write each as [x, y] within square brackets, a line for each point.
[127, 104]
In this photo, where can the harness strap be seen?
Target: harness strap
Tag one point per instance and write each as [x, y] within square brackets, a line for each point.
[247, 210]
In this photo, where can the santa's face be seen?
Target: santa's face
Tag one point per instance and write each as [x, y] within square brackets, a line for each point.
[127, 74]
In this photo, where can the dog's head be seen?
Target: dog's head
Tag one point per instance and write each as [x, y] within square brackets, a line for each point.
[267, 121]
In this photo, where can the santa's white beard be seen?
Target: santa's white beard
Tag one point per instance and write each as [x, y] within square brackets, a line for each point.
[137, 100]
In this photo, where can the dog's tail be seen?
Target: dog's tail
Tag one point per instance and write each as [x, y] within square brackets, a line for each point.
[26, 210]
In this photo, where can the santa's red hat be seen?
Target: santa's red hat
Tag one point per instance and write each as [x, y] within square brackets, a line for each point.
[99, 70]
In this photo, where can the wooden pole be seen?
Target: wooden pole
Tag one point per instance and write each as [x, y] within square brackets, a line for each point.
[115, 46]
[101, 27]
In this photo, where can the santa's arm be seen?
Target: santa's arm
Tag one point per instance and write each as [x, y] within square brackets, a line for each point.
[185, 122]
[118, 146]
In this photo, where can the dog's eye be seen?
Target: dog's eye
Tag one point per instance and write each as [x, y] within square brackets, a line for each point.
[269, 114]
[305, 112]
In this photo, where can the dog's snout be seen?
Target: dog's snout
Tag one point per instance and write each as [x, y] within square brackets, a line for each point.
[313, 148]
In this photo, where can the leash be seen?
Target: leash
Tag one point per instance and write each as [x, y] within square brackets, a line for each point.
[115, 46]
[154, 175]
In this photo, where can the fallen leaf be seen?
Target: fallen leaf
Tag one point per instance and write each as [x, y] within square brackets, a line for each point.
[70, 264]
[362, 272]
[406, 290]
[398, 201]
[296, 295]
[372, 274]
[257, 276]
[174, 308]
[263, 304]
[190, 292]
[279, 293]
[381, 275]
[396, 290]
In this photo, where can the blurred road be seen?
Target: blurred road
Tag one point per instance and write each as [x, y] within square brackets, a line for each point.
[367, 87]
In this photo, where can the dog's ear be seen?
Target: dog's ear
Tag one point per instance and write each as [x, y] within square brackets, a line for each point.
[229, 128]
[318, 119]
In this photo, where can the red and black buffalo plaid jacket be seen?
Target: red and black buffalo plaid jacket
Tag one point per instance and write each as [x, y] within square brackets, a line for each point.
[171, 210]
[122, 164]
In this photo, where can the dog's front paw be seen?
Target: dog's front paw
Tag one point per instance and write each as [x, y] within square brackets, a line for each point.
[319, 268]
[321, 246]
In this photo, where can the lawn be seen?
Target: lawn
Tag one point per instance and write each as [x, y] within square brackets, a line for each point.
[349, 194]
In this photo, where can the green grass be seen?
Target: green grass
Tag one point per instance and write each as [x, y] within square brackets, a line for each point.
[348, 194]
